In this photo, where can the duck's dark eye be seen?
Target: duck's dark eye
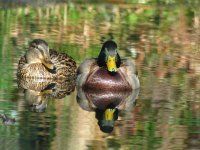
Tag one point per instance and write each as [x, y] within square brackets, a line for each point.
[35, 46]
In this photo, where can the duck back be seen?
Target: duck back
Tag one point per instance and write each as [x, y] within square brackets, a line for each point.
[65, 66]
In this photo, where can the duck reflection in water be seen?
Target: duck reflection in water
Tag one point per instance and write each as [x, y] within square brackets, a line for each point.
[107, 85]
[107, 104]
[38, 91]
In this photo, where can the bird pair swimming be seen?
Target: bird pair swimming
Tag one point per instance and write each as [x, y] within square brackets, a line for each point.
[108, 72]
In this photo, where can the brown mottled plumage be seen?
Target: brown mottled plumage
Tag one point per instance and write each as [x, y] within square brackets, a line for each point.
[38, 91]
[64, 65]
[55, 89]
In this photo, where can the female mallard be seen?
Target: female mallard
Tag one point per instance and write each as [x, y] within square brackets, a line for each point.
[107, 73]
[40, 62]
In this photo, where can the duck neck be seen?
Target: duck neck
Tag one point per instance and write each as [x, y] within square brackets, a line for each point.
[32, 57]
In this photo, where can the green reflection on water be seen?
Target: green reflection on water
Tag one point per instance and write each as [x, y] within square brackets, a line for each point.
[168, 106]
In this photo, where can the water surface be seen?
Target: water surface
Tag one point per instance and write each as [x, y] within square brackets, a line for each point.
[162, 38]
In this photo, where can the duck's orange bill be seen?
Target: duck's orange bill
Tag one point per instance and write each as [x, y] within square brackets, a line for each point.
[48, 64]
[45, 92]
[111, 64]
[108, 114]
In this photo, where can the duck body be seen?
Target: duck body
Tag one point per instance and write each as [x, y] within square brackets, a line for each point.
[107, 84]
[91, 76]
[98, 78]
[40, 62]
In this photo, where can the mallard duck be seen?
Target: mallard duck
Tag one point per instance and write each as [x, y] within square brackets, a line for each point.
[44, 63]
[108, 72]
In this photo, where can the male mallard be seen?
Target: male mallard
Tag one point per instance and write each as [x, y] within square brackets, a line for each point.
[40, 62]
[107, 73]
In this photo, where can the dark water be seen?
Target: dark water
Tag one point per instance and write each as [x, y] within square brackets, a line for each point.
[163, 38]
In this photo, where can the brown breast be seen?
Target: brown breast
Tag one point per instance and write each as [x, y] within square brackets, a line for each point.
[101, 79]
[104, 98]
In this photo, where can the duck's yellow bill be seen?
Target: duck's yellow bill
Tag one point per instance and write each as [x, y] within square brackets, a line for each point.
[109, 113]
[48, 64]
[111, 64]
[45, 92]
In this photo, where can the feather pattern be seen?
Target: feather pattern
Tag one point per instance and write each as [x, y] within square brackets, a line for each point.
[65, 67]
